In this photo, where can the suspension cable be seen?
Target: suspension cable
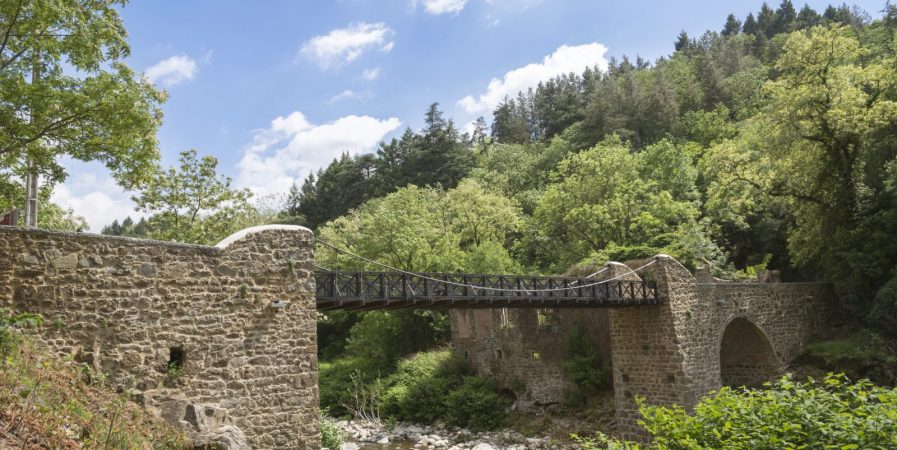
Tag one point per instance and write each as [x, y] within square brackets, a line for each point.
[486, 288]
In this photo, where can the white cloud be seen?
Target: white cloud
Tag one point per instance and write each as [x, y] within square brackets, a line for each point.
[371, 74]
[442, 6]
[173, 71]
[349, 94]
[344, 45]
[565, 59]
[292, 147]
[513, 5]
[95, 197]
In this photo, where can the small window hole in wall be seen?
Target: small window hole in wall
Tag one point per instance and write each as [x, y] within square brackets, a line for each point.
[498, 354]
[177, 358]
[537, 356]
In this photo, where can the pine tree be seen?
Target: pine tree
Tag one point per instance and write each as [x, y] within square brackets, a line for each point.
[141, 229]
[682, 41]
[112, 230]
[732, 27]
[786, 17]
[807, 18]
[478, 139]
[766, 21]
[830, 14]
[750, 25]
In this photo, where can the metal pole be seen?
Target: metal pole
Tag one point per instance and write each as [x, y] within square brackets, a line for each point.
[31, 177]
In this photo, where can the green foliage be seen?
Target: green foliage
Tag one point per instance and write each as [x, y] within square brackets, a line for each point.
[10, 320]
[435, 156]
[51, 216]
[331, 436]
[608, 197]
[128, 228]
[436, 385]
[173, 372]
[821, 146]
[67, 92]
[384, 337]
[60, 404]
[862, 354]
[192, 203]
[582, 362]
[336, 384]
[831, 413]
[476, 404]
[417, 391]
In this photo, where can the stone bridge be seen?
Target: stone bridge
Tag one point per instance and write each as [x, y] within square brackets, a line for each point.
[238, 320]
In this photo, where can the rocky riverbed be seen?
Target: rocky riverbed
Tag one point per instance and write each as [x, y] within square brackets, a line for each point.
[363, 435]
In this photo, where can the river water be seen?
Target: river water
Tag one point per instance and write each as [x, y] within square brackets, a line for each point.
[401, 445]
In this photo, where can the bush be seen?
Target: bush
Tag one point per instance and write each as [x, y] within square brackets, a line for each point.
[387, 336]
[336, 384]
[828, 414]
[476, 404]
[863, 354]
[583, 365]
[417, 391]
[331, 436]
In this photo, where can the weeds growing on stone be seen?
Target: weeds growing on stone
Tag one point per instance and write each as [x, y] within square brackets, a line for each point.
[48, 402]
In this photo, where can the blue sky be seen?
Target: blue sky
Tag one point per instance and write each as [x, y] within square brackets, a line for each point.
[276, 89]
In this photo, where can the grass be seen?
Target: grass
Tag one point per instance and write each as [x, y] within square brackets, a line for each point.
[859, 354]
[48, 402]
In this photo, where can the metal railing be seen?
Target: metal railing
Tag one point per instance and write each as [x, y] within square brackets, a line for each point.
[389, 290]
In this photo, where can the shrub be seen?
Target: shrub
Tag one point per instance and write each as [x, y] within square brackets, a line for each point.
[336, 384]
[387, 336]
[863, 354]
[476, 404]
[832, 413]
[10, 320]
[331, 436]
[417, 391]
[583, 365]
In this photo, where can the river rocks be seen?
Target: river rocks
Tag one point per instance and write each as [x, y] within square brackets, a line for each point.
[369, 435]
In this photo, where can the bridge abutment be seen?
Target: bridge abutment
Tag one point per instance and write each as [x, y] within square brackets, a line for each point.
[676, 353]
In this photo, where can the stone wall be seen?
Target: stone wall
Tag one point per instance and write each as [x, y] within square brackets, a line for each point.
[525, 349]
[134, 308]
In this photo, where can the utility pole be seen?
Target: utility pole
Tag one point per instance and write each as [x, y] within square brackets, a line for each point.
[31, 177]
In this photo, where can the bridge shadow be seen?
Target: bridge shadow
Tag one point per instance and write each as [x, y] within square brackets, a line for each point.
[746, 356]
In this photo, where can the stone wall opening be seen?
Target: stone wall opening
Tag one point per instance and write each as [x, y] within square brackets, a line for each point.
[177, 358]
[746, 358]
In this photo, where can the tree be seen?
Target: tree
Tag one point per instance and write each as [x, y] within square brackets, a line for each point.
[786, 16]
[66, 91]
[440, 158]
[766, 21]
[732, 27]
[604, 199]
[192, 203]
[127, 227]
[824, 144]
[807, 18]
[682, 41]
[750, 25]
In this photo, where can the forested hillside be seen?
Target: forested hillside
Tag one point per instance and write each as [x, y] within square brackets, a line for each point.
[770, 142]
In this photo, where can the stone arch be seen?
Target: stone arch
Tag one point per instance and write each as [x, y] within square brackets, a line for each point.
[746, 355]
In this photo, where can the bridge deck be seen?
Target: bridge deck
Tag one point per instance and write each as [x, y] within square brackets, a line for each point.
[395, 290]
